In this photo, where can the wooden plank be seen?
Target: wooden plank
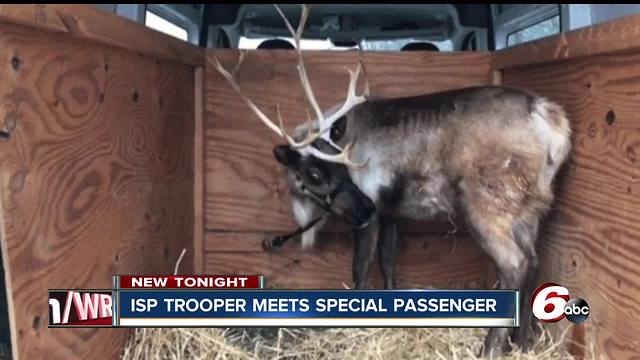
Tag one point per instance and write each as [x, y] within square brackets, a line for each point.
[496, 77]
[591, 242]
[254, 195]
[613, 36]
[245, 187]
[252, 242]
[96, 177]
[422, 261]
[198, 173]
[96, 25]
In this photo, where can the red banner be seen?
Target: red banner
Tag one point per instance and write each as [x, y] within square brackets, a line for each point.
[82, 308]
[190, 282]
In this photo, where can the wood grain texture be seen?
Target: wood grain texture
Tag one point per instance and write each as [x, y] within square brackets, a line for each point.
[246, 193]
[96, 178]
[591, 242]
[91, 23]
[198, 172]
[422, 261]
[605, 38]
[245, 186]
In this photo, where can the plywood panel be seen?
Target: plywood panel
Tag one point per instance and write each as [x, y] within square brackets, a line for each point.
[91, 23]
[247, 196]
[96, 177]
[423, 260]
[245, 187]
[591, 244]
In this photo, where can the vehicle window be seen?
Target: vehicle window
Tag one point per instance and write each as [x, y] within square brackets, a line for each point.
[542, 29]
[163, 25]
[366, 45]
[306, 44]
[397, 44]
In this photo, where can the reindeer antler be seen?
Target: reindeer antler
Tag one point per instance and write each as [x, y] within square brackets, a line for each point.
[324, 123]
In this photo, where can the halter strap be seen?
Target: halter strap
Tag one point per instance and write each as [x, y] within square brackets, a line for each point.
[323, 203]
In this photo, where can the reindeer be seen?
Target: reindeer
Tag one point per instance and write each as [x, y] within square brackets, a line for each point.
[486, 154]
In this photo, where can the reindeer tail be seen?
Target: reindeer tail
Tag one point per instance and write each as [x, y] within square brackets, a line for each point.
[552, 127]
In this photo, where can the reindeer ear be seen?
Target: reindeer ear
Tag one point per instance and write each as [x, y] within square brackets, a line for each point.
[286, 156]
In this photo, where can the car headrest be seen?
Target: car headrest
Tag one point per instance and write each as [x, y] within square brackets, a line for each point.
[420, 46]
[276, 44]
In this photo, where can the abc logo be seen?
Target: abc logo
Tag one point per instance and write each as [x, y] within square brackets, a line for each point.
[551, 303]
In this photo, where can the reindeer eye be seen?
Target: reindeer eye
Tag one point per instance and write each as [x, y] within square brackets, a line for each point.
[338, 128]
[314, 176]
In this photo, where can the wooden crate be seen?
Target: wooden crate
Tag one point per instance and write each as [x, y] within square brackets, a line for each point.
[125, 148]
[591, 241]
[96, 178]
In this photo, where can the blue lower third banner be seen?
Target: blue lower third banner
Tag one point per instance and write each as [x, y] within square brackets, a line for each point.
[318, 308]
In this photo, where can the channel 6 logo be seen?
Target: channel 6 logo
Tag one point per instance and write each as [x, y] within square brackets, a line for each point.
[551, 303]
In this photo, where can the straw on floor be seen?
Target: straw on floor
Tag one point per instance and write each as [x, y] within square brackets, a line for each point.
[269, 343]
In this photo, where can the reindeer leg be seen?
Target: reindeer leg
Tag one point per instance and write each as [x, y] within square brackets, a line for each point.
[365, 246]
[526, 234]
[511, 262]
[387, 250]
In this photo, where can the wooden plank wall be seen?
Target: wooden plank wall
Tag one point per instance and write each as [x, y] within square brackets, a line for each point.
[88, 22]
[96, 177]
[592, 241]
[603, 38]
[246, 195]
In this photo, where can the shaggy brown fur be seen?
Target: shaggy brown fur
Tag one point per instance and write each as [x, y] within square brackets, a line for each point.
[487, 154]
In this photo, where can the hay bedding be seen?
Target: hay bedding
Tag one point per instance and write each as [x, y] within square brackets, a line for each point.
[271, 343]
[320, 343]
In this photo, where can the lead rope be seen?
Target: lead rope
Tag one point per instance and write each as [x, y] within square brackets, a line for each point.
[278, 241]
[323, 204]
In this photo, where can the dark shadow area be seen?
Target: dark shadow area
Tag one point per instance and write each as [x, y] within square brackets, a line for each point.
[276, 44]
[420, 46]
[5, 335]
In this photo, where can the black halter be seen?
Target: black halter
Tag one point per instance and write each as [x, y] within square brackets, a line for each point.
[324, 202]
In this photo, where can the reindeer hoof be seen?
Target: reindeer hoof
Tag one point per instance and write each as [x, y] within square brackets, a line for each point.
[496, 343]
[525, 339]
[490, 352]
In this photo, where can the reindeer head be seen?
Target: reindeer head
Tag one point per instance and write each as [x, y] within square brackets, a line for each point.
[318, 185]
[316, 165]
